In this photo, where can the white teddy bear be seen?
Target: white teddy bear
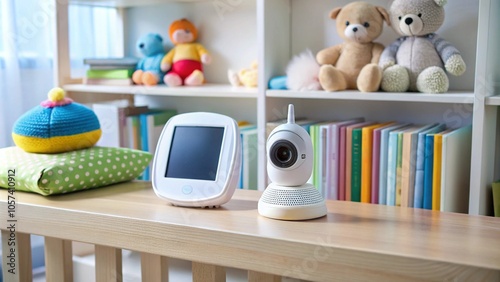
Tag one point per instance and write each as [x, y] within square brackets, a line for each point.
[418, 60]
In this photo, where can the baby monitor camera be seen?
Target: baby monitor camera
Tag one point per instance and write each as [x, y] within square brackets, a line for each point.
[289, 167]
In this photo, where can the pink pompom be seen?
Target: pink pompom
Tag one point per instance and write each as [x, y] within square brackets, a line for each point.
[51, 104]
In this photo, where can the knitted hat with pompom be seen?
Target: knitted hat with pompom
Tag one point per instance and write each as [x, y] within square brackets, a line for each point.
[57, 125]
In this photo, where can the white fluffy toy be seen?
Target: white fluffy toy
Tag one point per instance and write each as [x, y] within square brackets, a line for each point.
[302, 72]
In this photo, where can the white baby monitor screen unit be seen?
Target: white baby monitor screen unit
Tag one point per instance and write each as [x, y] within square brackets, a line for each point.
[197, 160]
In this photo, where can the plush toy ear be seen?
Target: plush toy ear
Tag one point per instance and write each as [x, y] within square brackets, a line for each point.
[335, 12]
[441, 3]
[157, 36]
[384, 14]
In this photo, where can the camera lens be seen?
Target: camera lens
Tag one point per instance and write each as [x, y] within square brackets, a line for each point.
[283, 154]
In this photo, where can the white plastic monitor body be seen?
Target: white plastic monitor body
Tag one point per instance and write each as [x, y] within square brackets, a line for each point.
[197, 160]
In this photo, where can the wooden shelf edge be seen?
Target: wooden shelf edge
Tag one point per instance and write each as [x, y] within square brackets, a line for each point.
[209, 90]
[458, 97]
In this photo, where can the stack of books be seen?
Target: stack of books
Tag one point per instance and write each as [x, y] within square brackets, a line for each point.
[110, 71]
[391, 163]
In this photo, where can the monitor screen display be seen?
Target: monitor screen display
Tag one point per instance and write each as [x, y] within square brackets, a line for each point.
[195, 152]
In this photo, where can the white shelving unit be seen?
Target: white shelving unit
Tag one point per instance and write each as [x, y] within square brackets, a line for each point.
[463, 97]
[272, 31]
[208, 90]
[492, 101]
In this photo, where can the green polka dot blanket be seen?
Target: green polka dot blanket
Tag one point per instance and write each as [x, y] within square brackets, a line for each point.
[49, 174]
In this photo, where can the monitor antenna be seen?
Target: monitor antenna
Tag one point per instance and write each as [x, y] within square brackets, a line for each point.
[291, 114]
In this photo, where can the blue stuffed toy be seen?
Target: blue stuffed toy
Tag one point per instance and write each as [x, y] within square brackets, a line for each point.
[148, 70]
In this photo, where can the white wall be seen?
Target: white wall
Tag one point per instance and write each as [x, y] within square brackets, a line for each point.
[312, 28]
[228, 31]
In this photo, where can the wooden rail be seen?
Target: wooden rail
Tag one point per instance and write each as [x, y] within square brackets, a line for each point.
[353, 242]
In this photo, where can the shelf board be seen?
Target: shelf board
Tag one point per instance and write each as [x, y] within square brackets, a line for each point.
[458, 97]
[126, 3]
[207, 90]
[493, 101]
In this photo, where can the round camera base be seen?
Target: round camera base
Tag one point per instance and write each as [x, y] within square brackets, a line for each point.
[292, 203]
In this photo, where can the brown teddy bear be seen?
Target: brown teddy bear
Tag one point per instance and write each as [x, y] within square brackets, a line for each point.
[353, 64]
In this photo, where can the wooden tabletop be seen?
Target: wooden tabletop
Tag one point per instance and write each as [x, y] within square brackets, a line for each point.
[354, 241]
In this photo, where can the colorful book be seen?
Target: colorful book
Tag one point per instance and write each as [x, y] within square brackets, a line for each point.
[318, 139]
[392, 165]
[455, 170]
[342, 163]
[350, 162]
[409, 159]
[126, 61]
[399, 167]
[328, 157]
[333, 165]
[319, 146]
[110, 82]
[134, 132]
[110, 74]
[366, 160]
[418, 198]
[152, 124]
[428, 170]
[324, 152]
[383, 167]
[110, 67]
[357, 135]
[436, 171]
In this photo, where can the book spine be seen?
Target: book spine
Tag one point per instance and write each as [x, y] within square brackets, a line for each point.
[110, 74]
[405, 169]
[123, 130]
[348, 165]
[399, 168]
[436, 175]
[356, 165]
[391, 169]
[418, 200]
[366, 164]
[375, 168]
[136, 132]
[144, 142]
[428, 171]
[243, 159]
[334, 162]
[342, 165]
[384, 157]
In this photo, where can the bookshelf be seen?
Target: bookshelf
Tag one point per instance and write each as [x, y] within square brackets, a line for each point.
[273, 31]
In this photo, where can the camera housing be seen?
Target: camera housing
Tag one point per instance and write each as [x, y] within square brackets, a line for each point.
[289, 155]
[289, 167]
